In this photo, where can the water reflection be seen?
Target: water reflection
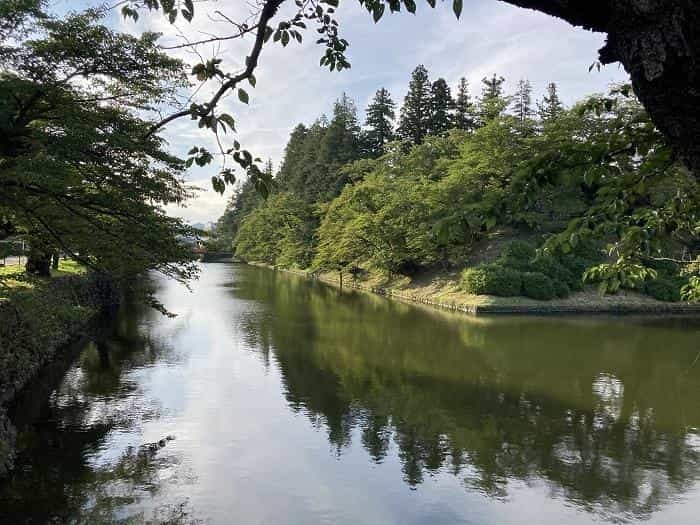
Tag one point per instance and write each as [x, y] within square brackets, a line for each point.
[68, 422]
[292, 402]
[605, 413]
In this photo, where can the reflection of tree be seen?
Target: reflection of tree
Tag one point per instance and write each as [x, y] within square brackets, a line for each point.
[599, 411]
[90, 399]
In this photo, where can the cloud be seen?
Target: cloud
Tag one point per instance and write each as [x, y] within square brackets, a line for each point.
[491, 37]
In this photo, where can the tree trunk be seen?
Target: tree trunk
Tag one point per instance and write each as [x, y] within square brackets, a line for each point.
[55, 258]
[38, 260]
[658, 43]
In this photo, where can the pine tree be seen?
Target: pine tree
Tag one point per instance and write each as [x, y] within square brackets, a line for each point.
[380, 121]
[464, 108]
[341, 140]
[289, 173]
[550, 107]
[415, 113]
[440, 108]
[339, 144]
[522, 103]
[492, 102]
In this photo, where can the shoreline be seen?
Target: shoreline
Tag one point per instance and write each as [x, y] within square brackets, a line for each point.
[35, 325]
[442, 294]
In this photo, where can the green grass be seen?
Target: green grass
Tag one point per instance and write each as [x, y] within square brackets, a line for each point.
[14, 278]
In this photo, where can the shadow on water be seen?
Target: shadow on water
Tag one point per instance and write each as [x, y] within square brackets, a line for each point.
[63, 418]
[605, 412]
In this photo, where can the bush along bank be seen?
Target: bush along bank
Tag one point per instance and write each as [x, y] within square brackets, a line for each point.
[35, 322]
[521, 271]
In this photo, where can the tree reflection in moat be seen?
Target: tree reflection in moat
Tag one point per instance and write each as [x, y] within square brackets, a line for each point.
[603, 412]
[64, 420]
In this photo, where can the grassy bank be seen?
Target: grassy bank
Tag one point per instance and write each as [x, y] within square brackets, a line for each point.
[37, 317]
[442, 290]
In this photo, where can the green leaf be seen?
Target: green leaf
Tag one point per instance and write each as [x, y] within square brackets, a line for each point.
[252, 80]
[243, 95]
[218, 184]
[410, 6]
[378, 12]
[457, 7]
[228, 120]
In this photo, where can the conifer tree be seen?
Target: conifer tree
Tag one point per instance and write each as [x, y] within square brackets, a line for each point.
[290, 169]
[415, 113]
[441, 105]
[338, 145]
[492, 102]
[380, 121]
[522, 103]
[550, 107]
[464, 108]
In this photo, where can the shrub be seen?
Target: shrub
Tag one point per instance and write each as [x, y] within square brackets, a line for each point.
[663, 289]
[561, 289]
[552, 268]
[664, 268]
[537, 286]
[588, 250]
[492, 279]
[576, 266]
[517, 254]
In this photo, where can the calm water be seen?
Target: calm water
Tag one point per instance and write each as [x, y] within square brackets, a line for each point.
[290, 402]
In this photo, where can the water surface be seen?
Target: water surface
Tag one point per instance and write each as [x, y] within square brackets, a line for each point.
[292, 403]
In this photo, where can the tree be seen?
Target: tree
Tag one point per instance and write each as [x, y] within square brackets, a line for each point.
[290, 169]
[339, 145]
[380, 122]
[416, 110]
[657, 42]
[278, 231]
[492, 102]
[464, 108]
[550, 107]
[441, 105]
[522, 103]
[79, 170]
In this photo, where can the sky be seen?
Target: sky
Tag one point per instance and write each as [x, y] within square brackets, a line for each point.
[491, 37]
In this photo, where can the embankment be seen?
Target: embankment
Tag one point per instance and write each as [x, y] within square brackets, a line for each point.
[35, 322]
[441, 290]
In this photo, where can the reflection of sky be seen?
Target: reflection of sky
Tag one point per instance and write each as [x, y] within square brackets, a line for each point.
[491, 37]
[239, 451]
[258, 461]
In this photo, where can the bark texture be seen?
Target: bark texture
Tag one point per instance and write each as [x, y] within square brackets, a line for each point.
[658, 43]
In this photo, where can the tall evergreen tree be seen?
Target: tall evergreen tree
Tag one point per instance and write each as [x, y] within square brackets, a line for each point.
[415, 113]
[441, 105]
[492, 102]
[464, 108]
[550, 107]
[290, 170]
[339, 144]
[522, 102]
[380, 122]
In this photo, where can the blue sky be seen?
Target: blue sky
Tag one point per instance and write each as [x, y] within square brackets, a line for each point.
[491, 37]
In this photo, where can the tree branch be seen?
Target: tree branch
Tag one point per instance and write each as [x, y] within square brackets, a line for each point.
[268, 12]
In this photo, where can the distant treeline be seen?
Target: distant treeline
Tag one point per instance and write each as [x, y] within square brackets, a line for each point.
[594, 187]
